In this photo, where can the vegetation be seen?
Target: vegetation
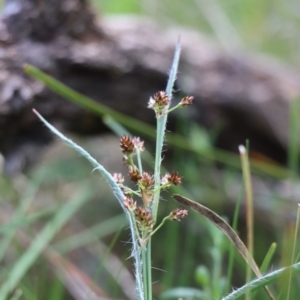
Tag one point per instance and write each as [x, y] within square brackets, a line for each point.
[60, 208]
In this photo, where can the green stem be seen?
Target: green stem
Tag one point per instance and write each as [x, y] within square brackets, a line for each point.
[249, 207]
[127, 189]
[147, 277]
[160, 134]
[139, 162]
[175, 107]
[293, 254]
[293, 149]
[160, 225]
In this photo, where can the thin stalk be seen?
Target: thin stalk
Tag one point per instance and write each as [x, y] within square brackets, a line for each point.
[139, 162]
[293, 253]
[249, 208]
[160, 134]
[160, 225]
[293, 149]
[231, 248]
[147, 276]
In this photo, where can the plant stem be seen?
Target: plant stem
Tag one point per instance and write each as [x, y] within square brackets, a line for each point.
[160, 134]
[146, 256]
[249, 206]
[293, 254]
[160, 225]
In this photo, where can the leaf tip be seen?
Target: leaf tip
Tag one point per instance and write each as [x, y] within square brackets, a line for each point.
[26, 67]
[242, 150]
[36, 112]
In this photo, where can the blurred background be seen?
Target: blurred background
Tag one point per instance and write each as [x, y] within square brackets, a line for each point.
[59, 202]
[268, 27]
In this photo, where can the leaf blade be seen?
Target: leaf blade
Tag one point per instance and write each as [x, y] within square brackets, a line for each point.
[226, 229]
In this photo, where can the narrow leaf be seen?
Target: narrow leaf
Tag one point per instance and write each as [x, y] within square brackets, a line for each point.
[88, 103]
[225, 228]
[118, 194]
[262, 281]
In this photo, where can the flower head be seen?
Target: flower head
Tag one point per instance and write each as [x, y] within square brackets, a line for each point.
[118, 177]
[172, 178]
[144, 218]
[126, 145]
[134, 174]
[159, 102]
[187, 100]
[178, 214]
[138, 144]
[147, 180]
[129, 203]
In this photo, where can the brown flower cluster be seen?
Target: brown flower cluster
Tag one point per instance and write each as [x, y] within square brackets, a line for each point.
[129, 203]
[173, 178]
[144, 219]
[134, 174]
[126, 145]
[145, 181]
[187, 100]
[159, 102]
[178, 214]
[160, 99]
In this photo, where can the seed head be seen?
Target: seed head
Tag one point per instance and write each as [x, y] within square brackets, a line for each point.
[172, 178]
[138, 144]
[126, 145]
[118, 177]
[134, 174]
[147, 180]
[129, 203]
[178, 214]
[144, 218]
[187, 100]
[159, 101]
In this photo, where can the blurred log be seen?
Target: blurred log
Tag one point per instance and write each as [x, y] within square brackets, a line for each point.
[120, 62]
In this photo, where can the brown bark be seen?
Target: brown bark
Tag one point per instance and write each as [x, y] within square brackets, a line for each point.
[121, 62]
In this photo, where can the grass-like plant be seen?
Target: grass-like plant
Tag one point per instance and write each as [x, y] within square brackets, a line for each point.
[142, 214]
[141, 204]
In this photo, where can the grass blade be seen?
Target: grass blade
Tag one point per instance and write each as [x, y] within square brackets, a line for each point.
[225, 228]
[262, 281]
[266, 262]
[294, 251]
[293, 149]
[231, 249]
[249, 207]
[41, 241]
[136, 251]
[88, 103]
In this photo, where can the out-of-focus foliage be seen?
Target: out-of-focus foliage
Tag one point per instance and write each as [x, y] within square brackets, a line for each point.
[269, 26]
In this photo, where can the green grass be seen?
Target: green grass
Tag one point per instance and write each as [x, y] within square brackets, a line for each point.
[35, 202]
[199, 186]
